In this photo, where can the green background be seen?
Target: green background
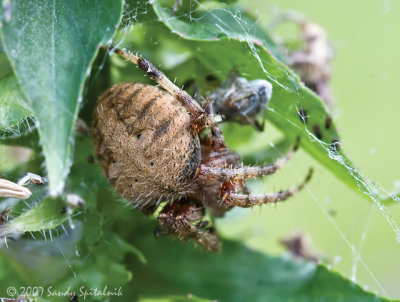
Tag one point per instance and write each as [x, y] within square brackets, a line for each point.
[365, 36]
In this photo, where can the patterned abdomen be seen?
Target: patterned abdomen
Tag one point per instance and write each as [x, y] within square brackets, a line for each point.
[145, 143]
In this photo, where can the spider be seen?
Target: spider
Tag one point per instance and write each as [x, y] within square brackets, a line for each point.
[153, 147]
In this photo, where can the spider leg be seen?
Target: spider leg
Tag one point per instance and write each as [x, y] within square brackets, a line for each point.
[185, 222]
[215, 140]
[199, 116]
[222, 174]
[195, 110]
[247, 201]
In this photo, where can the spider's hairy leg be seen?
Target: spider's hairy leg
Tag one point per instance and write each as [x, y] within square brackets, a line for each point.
[185, 222]
[247, 201]
[198, 114]
[215, 140]
[222, 174]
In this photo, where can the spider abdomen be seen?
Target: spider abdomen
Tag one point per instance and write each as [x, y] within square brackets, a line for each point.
[145, 142]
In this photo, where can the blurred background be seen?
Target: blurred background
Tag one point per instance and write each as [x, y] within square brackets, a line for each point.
[346, 229]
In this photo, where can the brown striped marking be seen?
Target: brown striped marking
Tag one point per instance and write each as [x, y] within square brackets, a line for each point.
[162, 128]
[147, 106]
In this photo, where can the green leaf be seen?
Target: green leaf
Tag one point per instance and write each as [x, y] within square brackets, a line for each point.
[225, 22]
[46, 215]
[14, 114]
[123, 246]
[5, 67]
[261, 155]
[17, 126]
[210, 36]
[51, 45]
[87, 251]
[36, 260]
[172, 267]
[235, 274]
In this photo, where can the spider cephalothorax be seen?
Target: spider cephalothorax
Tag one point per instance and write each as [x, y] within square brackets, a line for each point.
[149, 145]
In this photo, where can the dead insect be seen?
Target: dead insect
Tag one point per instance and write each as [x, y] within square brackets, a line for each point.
[299, 245]
[242, 100]
[312, 61]
[33, 178]
[18, 190]
[74, 200]
[4, 216]
[148, 143]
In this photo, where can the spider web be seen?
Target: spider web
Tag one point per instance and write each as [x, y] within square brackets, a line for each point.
[344, 245]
